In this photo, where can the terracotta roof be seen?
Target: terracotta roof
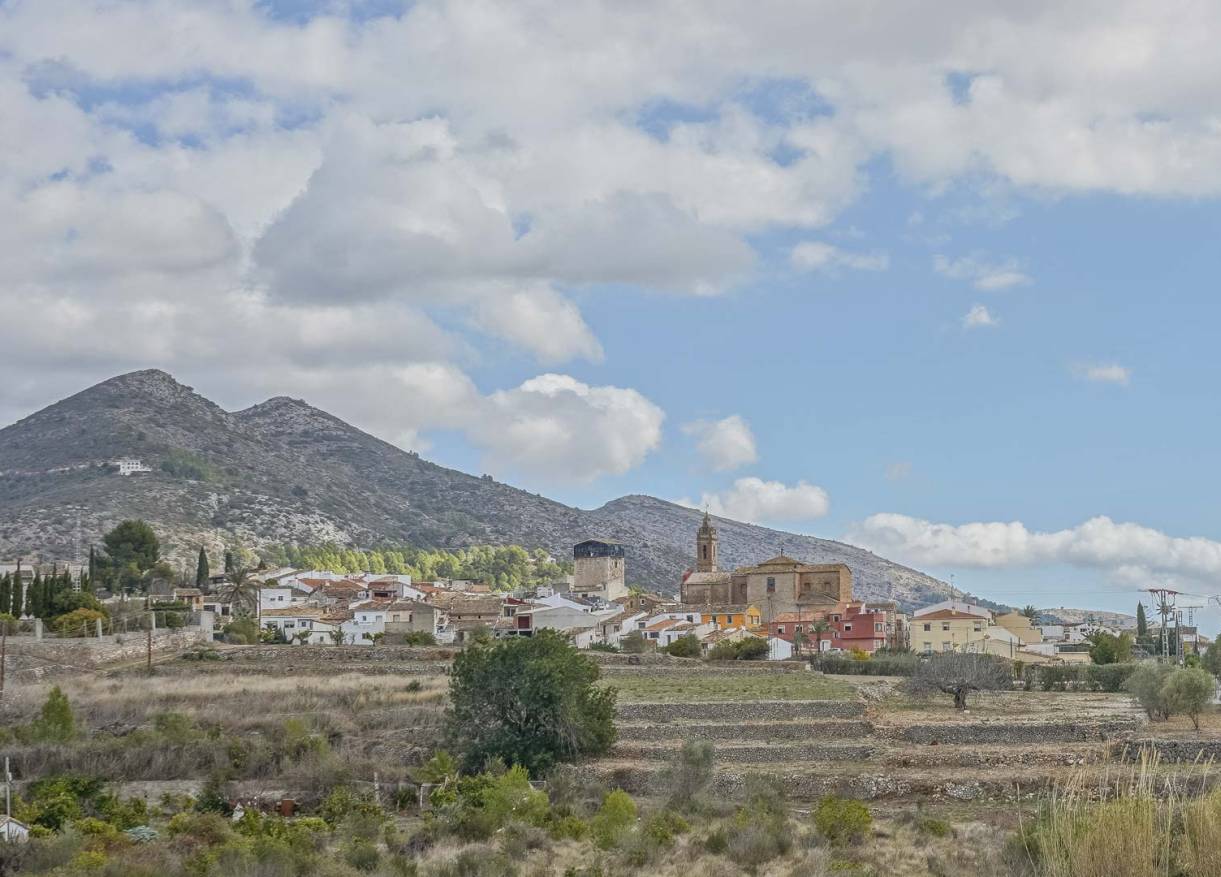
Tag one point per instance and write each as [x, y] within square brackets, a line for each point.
[663, 625]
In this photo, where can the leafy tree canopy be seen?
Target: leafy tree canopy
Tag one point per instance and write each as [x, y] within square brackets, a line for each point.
[530, 701]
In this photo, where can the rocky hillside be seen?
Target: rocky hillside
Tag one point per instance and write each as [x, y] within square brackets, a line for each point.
[283, 471]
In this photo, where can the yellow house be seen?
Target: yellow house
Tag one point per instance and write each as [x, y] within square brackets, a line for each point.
[731, 616]
[1019, 625]
[947, 630]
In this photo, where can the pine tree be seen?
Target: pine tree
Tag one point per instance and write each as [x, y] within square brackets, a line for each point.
[1142, 624]
[201, 569]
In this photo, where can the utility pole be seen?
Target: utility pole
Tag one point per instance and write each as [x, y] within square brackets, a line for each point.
[3, 654]
[8, 785]
[149, 657]
[1165, 609]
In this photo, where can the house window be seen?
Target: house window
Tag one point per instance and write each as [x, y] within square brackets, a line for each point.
[797, 629]
[928, 647]
[877, 626]
[780, 628]
[771, 584]
[945, 625]
[928, 627]
[847, 627]
[978, 627]
[947, 646]
[835, 618]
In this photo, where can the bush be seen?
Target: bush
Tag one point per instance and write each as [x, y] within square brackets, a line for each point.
[614, 819]
[419, 638]
[362, 855]
[842, 821]
[751, 648]
[688, 775]
[55, 723]
[78, 622]
[687, 646]
[662, 827]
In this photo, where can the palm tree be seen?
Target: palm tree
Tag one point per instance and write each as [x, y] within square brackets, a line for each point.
[1030, 612]
[818, 628]
[242, 592]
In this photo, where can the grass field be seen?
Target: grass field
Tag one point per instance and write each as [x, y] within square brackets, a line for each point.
[705, 686]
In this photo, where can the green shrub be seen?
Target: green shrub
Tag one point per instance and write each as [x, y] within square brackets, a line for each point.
[717, 841]
[887, 665]
[663, 826]
[842, 821]
[419, 638]
[687, 646]
[55, 723]
[363, 855]
[614, 819]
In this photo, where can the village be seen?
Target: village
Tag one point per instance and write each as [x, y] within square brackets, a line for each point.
[790, 608]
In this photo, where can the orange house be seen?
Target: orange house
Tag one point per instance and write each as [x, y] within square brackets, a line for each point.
[731, 616]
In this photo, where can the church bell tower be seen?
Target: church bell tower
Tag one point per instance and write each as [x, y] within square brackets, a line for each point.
[705, 546]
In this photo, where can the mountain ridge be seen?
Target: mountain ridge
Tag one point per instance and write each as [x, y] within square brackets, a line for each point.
[284, 471]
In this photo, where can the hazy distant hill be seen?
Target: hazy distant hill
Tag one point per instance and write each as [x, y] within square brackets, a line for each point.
[283, 471]
[1062, 615]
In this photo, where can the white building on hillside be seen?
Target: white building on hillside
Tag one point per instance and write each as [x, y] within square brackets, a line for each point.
[130, 466]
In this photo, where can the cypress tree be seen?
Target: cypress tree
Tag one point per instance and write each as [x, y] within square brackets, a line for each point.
[6, 593]
[1142, 624]
[229, 567]
[201, 569]
[33, 600]
[17, 604]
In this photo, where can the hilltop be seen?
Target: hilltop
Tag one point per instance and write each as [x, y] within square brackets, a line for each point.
[283, 471]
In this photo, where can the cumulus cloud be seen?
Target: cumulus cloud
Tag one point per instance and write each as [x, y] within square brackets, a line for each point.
[1099, 543]
[269, 180]
[723, 444]
[982, 273]
[557, 427]
[979, 317]
[820, 256]
[1104, 373]
[758, 501]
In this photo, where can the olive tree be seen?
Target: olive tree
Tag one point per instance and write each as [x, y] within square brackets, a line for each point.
[959, 674]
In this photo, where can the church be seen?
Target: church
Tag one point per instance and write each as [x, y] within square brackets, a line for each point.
[775, 586]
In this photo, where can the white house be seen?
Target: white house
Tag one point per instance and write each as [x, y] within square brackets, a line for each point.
[130, 466]
[294, 620]
[956, 606]
[280, 597]
[779, 649]
[13, 830]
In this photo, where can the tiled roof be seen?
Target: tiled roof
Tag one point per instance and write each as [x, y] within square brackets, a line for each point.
[291, 612]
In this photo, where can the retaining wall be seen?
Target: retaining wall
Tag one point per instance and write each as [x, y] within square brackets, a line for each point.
[741, 711]
[1017, 733]
[828, 730]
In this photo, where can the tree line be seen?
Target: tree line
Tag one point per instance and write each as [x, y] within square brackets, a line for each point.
[504, 567]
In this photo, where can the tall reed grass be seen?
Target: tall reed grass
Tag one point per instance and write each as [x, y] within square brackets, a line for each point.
[1137, 820]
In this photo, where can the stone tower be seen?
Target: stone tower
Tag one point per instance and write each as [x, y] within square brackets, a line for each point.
[705, 547]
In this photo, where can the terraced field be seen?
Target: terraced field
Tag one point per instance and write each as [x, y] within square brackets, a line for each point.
[861, 738]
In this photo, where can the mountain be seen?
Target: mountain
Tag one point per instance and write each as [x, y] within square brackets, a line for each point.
[284, 471]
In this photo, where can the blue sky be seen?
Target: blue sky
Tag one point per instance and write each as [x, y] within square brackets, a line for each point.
[938, 282]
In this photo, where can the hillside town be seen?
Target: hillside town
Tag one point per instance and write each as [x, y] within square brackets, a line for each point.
[790, 608]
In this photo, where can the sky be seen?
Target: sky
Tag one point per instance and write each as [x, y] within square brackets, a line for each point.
[935, 279]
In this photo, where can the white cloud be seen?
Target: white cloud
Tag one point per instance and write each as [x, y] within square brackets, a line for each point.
[982, 273]
[758, 501]
[821, 256]
[559, 428]
[724, 444]
[346, 187]
[979, 317]
[1099, 543]
[1105, 373]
